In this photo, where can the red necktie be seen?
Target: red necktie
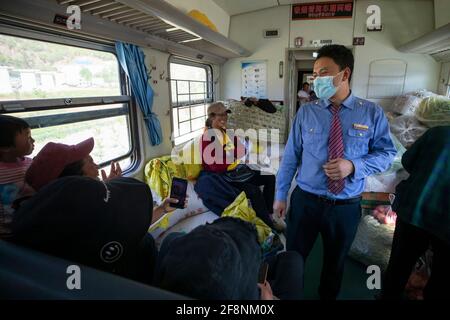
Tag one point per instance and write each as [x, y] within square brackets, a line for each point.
[335, 148]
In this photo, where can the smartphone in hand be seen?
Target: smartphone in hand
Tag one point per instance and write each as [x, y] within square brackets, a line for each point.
[178, 191]
[263, 272]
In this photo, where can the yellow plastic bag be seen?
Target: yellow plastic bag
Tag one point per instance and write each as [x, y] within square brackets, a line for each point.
[202, 18]
[240, 209]
[190, 156]
[158, 174]
[192, 171]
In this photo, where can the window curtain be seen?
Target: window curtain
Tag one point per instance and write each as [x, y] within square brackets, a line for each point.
[131, 58]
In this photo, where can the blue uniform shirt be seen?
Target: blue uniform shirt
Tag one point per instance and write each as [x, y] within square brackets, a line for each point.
[367, 143]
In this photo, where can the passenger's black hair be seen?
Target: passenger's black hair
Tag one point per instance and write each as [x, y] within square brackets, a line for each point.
[305, 83]
[73, 169]
[341, 55]
[9, 128]
[216, 261]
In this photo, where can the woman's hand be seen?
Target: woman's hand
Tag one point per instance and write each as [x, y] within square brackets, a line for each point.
[165, 207]
[114, 172]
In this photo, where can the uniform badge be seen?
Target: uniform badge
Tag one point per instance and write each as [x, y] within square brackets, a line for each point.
[358, 126]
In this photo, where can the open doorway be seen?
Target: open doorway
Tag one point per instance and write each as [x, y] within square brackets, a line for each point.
[301, 63]
[304, 64]
[305, 84]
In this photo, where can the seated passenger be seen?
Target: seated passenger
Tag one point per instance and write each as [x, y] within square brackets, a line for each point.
[57, 160]
[98, 224]
[61, 160]
[221, 260]
[219, 151]
[15, 144]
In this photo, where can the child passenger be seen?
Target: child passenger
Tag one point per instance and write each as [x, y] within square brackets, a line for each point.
[15, 144]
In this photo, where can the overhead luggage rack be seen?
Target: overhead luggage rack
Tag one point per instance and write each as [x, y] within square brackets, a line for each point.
[120, 13]
[153, 23]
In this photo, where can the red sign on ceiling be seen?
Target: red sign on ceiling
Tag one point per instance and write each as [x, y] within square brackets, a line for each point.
[322, 10]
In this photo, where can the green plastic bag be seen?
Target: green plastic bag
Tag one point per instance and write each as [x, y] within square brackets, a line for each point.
[434, 111]
[397, 163]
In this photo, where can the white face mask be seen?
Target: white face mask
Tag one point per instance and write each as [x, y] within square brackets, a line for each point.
[324, 86]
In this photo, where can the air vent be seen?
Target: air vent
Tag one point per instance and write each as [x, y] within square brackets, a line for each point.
[274, 33]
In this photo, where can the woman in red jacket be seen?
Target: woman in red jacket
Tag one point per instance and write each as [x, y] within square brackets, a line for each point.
[219, 154]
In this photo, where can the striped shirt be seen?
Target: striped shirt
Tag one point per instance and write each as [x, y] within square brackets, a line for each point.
[12, 187]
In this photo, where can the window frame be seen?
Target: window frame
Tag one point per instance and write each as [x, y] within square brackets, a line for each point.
[448, 86]
[20, 30]
[210, 92]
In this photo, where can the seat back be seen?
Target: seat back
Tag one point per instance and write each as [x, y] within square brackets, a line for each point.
[28, 274]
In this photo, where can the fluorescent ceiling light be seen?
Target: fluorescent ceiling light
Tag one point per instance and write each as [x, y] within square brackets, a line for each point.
[314, 54]
[175, 28]
[190, 40]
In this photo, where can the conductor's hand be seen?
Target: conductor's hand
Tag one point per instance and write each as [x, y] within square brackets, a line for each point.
[337, 169]
[279, 208]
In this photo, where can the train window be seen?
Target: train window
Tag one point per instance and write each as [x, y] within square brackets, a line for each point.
[68, 91]
[191, 91]
[448, 86]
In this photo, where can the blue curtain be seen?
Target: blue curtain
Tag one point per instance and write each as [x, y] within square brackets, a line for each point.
[131, 59]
